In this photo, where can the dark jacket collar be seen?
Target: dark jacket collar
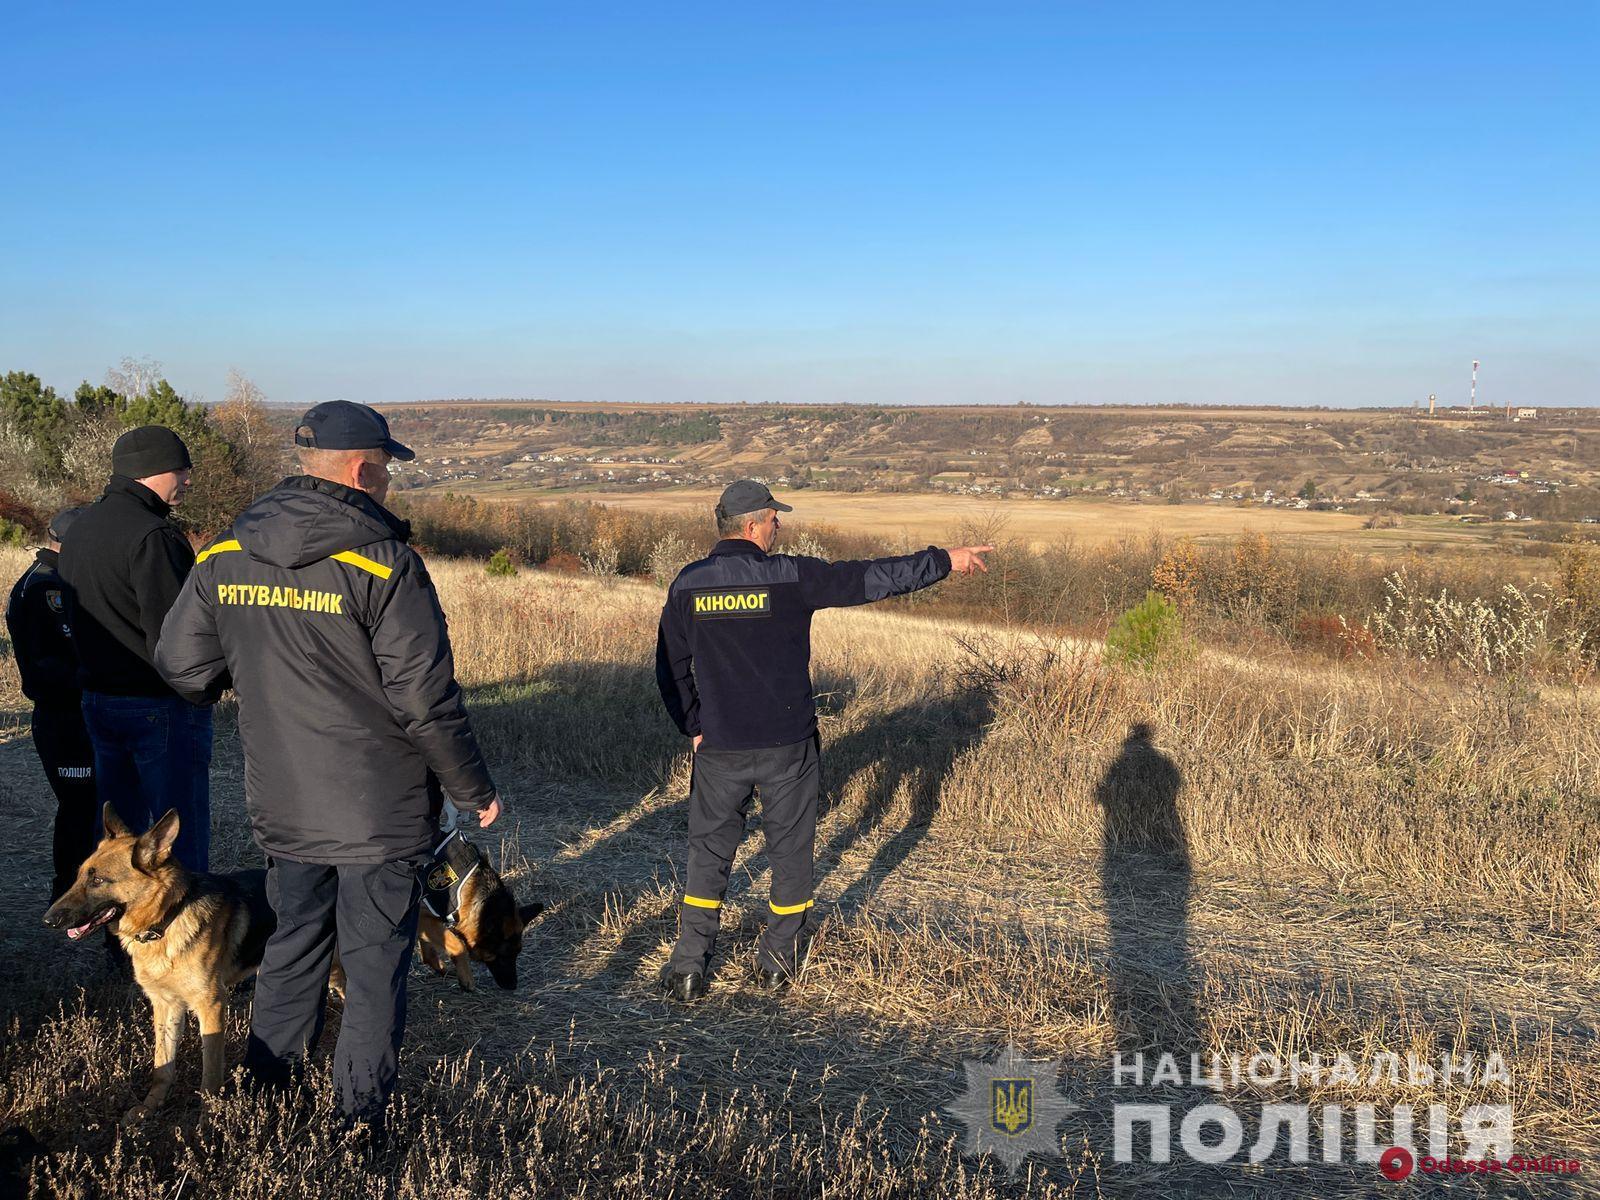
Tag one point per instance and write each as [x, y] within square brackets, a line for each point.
[738, 546]
[49, 558]
[354, 498]
[121, 485]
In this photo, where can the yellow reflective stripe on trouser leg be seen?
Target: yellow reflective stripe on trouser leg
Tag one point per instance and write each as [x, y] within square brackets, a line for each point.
[701, 902]
[784, 910]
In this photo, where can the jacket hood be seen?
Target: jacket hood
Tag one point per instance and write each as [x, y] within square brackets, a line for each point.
[304, 520]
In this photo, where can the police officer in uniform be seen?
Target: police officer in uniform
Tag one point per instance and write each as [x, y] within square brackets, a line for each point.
[39, 618]
[353, 729]
[733, 659]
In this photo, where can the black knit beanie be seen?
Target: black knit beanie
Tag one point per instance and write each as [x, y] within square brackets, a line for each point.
[149, 450]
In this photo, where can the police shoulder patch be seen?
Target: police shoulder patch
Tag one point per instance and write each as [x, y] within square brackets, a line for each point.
[55, 600]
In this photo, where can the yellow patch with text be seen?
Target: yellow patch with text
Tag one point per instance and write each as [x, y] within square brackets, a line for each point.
[733, 602]
[264, 595]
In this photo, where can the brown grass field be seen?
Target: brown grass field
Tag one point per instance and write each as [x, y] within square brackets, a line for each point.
[922, 518]
[1302, 857]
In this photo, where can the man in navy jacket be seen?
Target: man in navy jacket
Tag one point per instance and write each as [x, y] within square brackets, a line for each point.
[39, 619]
[733, 662]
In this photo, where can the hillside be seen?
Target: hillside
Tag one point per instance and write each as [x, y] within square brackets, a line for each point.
[1355, 460]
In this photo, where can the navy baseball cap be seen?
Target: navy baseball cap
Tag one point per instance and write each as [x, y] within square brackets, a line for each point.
[343, 425]
[747, 496]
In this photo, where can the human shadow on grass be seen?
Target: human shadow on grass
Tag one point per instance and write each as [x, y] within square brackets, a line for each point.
[563, 720]
[586, 724]
[1155, 995]
[907, 753]
[911, 751]
[1145, 880]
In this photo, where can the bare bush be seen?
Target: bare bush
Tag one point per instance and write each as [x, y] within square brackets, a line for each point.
[87, 457]
[604, 562]
[1518, 631]
[18, 454]
[667, 557]
[806, 544]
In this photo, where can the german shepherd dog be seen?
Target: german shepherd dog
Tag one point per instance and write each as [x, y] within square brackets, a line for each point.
[488, 929]
[190, 937]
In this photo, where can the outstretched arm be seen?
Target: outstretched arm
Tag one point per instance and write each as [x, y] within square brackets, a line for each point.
[842, 584]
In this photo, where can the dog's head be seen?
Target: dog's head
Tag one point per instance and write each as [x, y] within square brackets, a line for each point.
[491, 923]
[124, 874]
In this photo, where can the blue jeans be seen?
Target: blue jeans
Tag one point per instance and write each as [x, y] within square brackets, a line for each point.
[152, 753]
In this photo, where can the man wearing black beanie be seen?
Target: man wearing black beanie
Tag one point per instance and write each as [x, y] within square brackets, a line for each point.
[125, 563]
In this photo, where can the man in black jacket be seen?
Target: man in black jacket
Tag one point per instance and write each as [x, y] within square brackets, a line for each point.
[354, 731]
[39, 619]
[733, 662]
[125, 562]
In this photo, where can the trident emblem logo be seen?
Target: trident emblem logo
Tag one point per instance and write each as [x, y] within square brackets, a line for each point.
[1013, 1105]
[1012, 1108]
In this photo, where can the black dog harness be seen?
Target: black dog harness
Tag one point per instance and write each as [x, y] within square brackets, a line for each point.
[453, 863]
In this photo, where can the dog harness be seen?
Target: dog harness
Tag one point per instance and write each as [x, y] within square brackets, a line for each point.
[453, 863]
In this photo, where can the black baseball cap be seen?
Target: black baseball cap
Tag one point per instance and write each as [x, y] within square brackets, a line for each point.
[747, 495]
[343, 425]
[60, 523]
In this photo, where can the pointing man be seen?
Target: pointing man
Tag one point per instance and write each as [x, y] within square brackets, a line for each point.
[353, 730]
[733, 661]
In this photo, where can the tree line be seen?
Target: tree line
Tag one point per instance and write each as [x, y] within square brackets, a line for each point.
[55, 450]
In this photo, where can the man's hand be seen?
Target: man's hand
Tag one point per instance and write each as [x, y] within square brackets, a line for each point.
[488, 816]
[698, 738]
[964, 560]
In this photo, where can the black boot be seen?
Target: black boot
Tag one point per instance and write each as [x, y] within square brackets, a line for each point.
[771, 979]
[683, 984]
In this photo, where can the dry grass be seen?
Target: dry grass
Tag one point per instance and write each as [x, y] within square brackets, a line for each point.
[1303, 857]
[922, 518]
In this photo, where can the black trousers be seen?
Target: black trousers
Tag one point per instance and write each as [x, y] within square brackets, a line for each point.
[724, 783]
[370, 914]
[68, 759]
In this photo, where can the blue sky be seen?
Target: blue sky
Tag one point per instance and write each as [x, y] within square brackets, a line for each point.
[1318, 203]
